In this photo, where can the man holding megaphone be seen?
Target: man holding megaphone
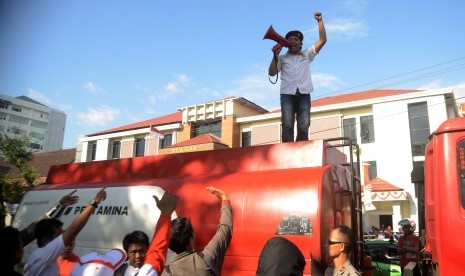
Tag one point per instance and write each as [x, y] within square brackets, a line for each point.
[296, 81]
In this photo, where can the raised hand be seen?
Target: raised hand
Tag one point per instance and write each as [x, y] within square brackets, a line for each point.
[217, 192]
[167, 204]
[69, 199]
[101, 195]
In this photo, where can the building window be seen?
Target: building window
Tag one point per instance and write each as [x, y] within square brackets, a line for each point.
[38, 124]
[19, 120]
[4, 104]
[139, 147]
[367, 129]
[17, 131]
[35, 146]
[16, 108]
[419, 127]
[246, 139]
[2, 116]
[166, 141]
[37, 135]
[116, 150]
[349, 129]
[93, 152]
[210, 127]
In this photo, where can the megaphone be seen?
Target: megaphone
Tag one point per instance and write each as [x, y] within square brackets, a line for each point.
[273, 35]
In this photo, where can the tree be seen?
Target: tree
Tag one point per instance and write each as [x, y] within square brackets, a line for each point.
[16, 152]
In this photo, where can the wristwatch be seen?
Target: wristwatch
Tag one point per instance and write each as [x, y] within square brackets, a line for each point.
[93, 203]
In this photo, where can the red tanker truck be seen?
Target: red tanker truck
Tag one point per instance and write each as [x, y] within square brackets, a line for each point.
[296, 190]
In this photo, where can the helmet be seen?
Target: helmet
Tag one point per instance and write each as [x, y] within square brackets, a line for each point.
[408, 222]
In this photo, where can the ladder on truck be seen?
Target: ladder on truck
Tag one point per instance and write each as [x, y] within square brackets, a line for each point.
[350, 148]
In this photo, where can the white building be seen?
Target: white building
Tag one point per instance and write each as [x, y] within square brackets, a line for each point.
[22, 116]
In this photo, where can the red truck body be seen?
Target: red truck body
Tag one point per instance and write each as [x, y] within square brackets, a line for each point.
[445, 197]
[297, 190]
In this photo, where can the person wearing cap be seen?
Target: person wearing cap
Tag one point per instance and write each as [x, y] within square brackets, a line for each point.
[296, 81]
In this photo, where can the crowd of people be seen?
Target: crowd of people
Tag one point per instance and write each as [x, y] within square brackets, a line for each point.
[55, 256]
[141, 256]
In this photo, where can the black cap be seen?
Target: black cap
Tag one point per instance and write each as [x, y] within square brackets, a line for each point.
[295, 33]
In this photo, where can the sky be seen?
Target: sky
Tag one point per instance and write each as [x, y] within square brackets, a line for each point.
[109, 63]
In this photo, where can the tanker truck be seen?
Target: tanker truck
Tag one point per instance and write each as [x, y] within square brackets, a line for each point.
[300, 191]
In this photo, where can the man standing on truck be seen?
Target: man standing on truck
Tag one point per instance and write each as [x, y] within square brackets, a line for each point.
[296, 80]
[210, 260]
[52, 240]
[340, 244]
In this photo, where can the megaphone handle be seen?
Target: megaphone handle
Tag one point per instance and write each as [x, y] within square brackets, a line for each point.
[277, 72]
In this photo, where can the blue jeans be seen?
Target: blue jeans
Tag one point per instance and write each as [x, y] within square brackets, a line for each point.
[292, 105]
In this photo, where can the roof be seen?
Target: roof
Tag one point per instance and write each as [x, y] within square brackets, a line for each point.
[359, 96]
[42, 161]
[24, 98]
[171, 118]
[163, 120]
[379, 184]
[354, 97]
[201, 139]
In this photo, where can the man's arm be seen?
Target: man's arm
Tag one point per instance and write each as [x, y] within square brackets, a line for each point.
[156, 254]
[214, 252]
[322, 32]
[80, 221]
[27, 234]
[273, 69]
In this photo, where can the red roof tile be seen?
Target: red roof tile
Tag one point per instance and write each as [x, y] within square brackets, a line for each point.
[202, 139]
[379, 184]
[163, 120]
[42, 161]
[359, 96]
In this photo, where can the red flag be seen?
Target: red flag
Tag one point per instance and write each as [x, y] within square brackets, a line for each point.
[154, 132]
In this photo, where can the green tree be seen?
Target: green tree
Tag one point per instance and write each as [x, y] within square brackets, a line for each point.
[16, 152]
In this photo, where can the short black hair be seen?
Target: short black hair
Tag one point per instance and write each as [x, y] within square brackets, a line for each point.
[180, 234]
[135, 237]
[348, 236]
[10, 243]
[46, 229]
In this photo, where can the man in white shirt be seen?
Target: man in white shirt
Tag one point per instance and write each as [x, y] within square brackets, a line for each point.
[52, 240]
[296, 81]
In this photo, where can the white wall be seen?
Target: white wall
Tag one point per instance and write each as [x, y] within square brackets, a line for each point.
[392, 149]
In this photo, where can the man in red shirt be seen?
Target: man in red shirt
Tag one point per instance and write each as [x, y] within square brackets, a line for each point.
[408, 245]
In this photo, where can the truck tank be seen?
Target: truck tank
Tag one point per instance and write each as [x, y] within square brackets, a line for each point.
[296, 190]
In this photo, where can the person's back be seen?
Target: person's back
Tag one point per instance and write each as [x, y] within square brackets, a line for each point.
[210, 260]
[190, 263]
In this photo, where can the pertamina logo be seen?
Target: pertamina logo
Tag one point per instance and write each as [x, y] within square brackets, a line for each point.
[101, 210]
